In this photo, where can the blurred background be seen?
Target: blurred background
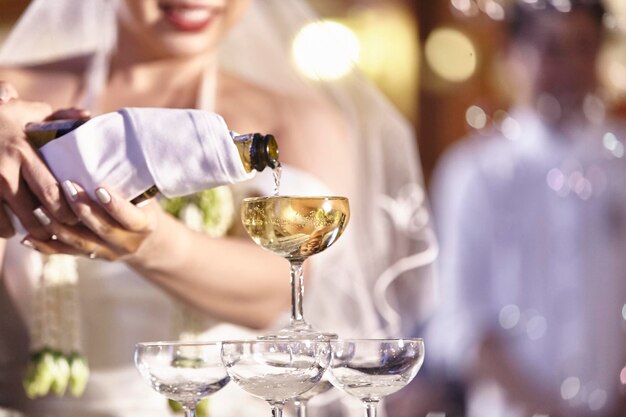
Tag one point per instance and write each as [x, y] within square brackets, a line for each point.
[433, 59]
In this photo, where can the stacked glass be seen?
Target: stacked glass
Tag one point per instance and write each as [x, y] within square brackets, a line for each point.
[288, 364]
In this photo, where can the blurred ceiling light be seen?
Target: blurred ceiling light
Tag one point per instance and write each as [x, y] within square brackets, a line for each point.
[451, 54]
[325, 50]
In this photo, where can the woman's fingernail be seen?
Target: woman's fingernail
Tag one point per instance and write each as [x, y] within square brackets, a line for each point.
[27, 243]
[103, 195]
[42, 217]
[70, 190]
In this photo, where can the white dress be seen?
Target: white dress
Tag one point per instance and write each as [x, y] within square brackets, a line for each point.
[533, 247]
[118, 309]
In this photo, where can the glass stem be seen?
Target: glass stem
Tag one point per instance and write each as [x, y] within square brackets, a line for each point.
[370, 407]
[300, 408]
[297, 293]
[277, 409]
[190, 410]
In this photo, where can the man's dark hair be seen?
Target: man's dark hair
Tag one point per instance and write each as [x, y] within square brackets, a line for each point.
[521, 15]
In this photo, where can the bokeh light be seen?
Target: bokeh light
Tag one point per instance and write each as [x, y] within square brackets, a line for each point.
[451, 54]
[536, 327]
[612, 144]
[511, 128]
[570, 388]
[622, 376]
[509, 316]
[597, 399]
[564, 6]
[325, 50]
[467, 7]
[476, 117]
[492, 8]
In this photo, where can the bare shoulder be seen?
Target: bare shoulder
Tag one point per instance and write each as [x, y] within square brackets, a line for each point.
[246, 101]
[314, 117]
[312, 132]
[57, 83]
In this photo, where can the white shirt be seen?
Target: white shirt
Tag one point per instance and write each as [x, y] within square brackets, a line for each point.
[533, 246]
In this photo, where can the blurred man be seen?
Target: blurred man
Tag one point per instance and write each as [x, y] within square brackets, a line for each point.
[532, 221]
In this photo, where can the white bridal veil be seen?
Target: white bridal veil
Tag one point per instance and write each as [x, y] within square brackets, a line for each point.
[381, 281]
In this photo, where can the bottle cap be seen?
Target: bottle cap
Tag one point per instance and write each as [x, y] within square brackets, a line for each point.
[264, 152]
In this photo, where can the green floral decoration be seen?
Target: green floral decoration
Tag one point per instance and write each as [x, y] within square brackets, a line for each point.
[202, 408]
[210, 211]
[56, 365]
[52, 372]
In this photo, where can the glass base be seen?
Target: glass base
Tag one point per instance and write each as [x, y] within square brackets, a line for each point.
[299, 331]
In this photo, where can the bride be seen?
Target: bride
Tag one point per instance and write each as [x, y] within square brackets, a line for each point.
[231, 57]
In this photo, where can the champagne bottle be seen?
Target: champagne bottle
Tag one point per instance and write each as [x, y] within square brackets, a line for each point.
[256, 151]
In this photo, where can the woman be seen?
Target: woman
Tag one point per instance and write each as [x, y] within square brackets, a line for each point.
[166, 55]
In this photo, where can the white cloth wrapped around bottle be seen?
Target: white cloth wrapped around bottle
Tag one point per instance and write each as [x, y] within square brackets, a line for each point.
[181, 151]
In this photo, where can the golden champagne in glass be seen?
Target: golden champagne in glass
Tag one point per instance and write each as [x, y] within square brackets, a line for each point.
[295, 228]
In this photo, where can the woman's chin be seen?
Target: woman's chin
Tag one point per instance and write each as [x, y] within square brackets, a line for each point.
[185, 45]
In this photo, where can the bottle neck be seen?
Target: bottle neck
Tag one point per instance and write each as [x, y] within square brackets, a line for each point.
[257, 151]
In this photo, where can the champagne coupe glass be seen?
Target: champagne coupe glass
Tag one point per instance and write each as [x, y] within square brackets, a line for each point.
[182, 371]
[276, 370]
[371, 369]
[295, 228]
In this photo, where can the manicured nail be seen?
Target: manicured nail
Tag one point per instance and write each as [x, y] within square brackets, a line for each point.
[27, 243]
[70, 190]
[42, 217]
[103, 195]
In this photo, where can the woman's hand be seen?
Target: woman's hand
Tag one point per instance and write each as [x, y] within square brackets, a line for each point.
[111, 228]
[25, 181]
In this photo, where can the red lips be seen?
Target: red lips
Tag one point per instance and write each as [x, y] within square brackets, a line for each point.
[188, 17]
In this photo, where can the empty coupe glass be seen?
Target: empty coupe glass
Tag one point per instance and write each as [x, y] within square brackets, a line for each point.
[182, 371]
[276, 370]
[371, 369]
